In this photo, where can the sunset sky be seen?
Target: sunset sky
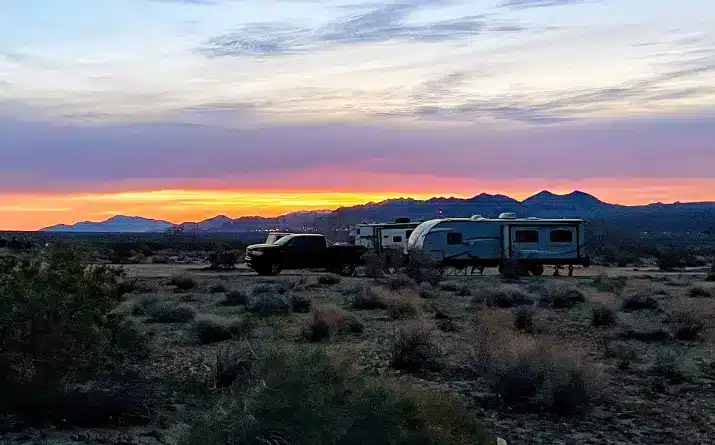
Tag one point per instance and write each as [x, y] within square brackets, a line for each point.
[185, 109]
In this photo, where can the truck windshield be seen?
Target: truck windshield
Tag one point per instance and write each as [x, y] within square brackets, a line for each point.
[283, 240]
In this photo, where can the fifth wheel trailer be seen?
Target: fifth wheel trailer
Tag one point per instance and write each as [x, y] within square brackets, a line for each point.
[482, 242]
[382, 236]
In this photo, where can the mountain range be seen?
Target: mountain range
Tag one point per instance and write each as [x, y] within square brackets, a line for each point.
[698, 216]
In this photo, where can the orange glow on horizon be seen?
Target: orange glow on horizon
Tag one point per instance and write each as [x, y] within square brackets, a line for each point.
[32, 211]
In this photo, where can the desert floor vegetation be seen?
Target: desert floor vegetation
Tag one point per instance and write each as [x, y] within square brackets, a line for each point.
[190, 354]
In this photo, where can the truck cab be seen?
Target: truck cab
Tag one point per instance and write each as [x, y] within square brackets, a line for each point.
[303, 251]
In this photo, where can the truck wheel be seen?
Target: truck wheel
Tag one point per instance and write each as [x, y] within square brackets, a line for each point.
[537, 270]
[347, 270]
[269, 271]
[275, 269]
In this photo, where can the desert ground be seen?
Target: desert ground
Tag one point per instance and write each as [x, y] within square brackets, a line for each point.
[608, 356]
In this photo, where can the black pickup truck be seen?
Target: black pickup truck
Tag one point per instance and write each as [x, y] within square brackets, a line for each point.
[303, 251]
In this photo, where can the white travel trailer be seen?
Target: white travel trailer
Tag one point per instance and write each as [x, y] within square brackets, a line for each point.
[481, 242]
[381, 236]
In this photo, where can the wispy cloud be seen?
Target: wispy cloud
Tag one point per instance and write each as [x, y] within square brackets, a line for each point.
[525, 4]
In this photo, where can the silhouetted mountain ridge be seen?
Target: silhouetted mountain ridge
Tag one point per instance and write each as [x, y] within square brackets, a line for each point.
[545, 204]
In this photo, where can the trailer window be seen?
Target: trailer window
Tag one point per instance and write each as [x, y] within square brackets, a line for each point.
[561, 236]
[526, 236]
[396, 239]
[454, 238]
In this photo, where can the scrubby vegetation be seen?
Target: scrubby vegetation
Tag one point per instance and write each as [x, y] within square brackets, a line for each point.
[96, 351]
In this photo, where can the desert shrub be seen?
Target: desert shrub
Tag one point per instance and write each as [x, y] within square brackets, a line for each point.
[636, 300]
[562, 297]
[669, 364]
[540, 379]
[236, 298]
[213, 329]
[59, 332]
[427, 291]
[159, 259]
[414, 350]
[143, 287]
[646, 333]
[507, 295]
[375, 265]
[686, 324]
[331, 321]
[269, 304]
[450, 287]
[303, 396]
[447, 325]
[400, 282]
[329, 279]
[671, 259]
[603, 315]
[511, 269]
[369, 297]
[700, 292]
[524, 318]
[604, 283]
[263, 289]
[423, 270]
[222, 259]
[183, 282]
[217, 288]
[166, 312]
[232, 362]
[300, 303]
[624, 354]
[402, 308]
[144, 304]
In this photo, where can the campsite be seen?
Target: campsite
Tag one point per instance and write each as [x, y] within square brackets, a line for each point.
[610, 355]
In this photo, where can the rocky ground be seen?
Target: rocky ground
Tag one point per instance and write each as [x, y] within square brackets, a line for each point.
[650, 370]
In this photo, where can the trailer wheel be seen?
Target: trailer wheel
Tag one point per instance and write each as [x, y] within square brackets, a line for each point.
[537, 270]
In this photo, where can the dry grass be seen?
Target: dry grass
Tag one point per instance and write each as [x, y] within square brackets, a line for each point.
[208, 329]
[183, 282]
[603, 315]
[700, 291]
[168, 312]
[236, 298]
[414, 349]
[561, 296]
[370, 297]
[507, 295]
[402, 307]
[330, 321]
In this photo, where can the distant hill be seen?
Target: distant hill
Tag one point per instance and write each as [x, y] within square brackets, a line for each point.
[656, 217]
[115, 224]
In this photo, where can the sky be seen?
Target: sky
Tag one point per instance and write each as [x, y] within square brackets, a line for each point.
[185, 109]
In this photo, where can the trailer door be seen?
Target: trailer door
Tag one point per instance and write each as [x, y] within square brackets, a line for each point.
[525, 242]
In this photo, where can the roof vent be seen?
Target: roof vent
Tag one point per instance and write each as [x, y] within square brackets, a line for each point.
[507, 216]
[476, 217]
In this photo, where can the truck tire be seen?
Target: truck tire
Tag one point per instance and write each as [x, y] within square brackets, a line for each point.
[270, 271]
[537, 270]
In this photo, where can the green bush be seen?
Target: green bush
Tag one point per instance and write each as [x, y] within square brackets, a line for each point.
[182, 282]
[538, 379]
[166, 312]
[236, 298]
[303, 396]
[329, 279]
[213, 329]
[700, 292]
[524, 318]
[301, 303]
[59, 332]
[400, 282]
[414, 350]
[402, 308]
[604, 283]
[331, 321]
[223, 260]
[562, 297]
[269, 304]
[423, 270]
[368, 297]
[217, 288]
[602, 315]
[144, 305]
[636, 301]
[507, 295]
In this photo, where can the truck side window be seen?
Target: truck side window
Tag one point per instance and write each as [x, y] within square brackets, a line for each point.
[561, 236]
[526, 236]
[454, 238]
[396, 239]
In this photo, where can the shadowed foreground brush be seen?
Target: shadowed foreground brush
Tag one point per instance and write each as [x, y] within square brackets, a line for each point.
[304, 396]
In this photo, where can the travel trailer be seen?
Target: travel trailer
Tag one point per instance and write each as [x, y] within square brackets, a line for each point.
[482, 242]
[381, 236]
